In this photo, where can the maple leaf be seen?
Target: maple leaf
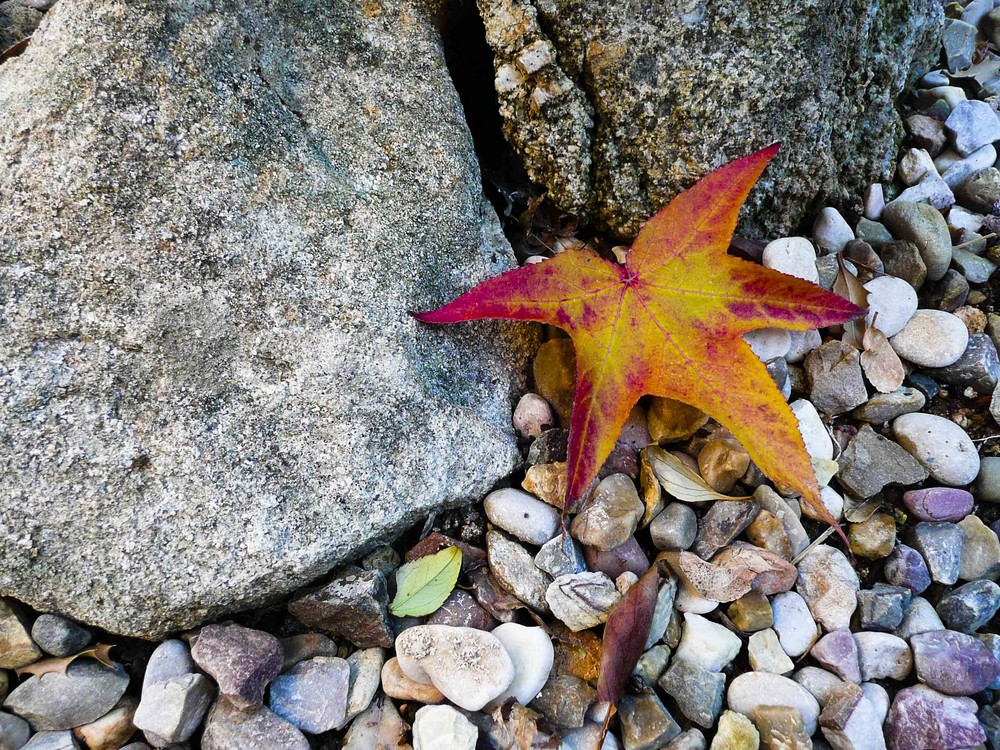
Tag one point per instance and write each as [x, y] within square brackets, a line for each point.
[669, 322]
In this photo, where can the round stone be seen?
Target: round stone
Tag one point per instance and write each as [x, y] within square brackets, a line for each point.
[443, 728]
[932, 338]
[893, 301]
[531, 651]
[793, 623]
[769, 343]
[938, 503]
[829, 584]
[522, 515]
[792, 255]
[953, 663]
[940, 445]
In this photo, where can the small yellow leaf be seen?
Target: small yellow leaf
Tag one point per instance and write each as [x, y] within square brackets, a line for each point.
[679, 480]
[423, 585]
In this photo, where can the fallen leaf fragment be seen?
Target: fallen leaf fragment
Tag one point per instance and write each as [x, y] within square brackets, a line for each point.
[679, 480]
[423, 585]
[101, 652]
[710, 581]
[879, 360]
[849, 286]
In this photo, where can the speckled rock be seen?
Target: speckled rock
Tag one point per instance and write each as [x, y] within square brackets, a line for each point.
[229, 728]
[601, 65]
[241, 660]
[255, 320]
[829, 584]
[85, 693]
[940, 445]
[871, 461]
[953, 663]
[932, 338]
[836, 384]
[514, 568]
[921, 717]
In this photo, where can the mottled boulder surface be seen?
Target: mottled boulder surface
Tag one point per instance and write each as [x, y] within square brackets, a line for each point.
[616, 107]
[214, 217]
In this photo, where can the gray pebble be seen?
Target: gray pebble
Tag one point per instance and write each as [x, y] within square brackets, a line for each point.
[229, 728]
[831, 232]
[58, 636]
[969, 607]
[959, 41]
[675, 527]
[926, 228]
[171, 711]
[940, 544]
[872, 461]
[14, 731]
[932, 338]
[557, 559]
[835, 379]
[84, 694]
[980, 191]
[986, 488]
[975, 269]
[241, 660]
[697, 691]
[978, 367]
[885, 407]
[63, 740]
[901, 258]
[948, 293]
[972, 125]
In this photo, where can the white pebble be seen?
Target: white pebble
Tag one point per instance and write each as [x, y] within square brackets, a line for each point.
[794, 256]
[753, 689]
[707, 644]
[768, 343]
[523, 515]
[915, 165]
[940, 445]
[793, 623]
[831, 232]
[932, 338]
[443, 728]
[818, 442]
[893, 300]
[530, 649]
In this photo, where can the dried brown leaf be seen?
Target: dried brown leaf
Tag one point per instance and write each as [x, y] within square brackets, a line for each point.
[101, 652]
[880, 362]
[848, 285]
[710, 581]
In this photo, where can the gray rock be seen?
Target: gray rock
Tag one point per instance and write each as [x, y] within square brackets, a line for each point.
[354, 605]
[920, 617]
[169, 660]
[241, 660]
[557, 558]
[981, 191]
[882, 607]
[940, 544]
[697, 691]
[835, 381]
[959, 44]
[871, 461]
[14, 731]
[600, 126]
[675, 527]
[313, 695]
[932, 190]
[582, 600]
[975, 268]
[564, 700]
[940, 445]
[55, 702]
[947, 294]
[63, 740]
[873, 232]
[987, 485]
[58, 636]
[17, 21]
[645, 722]
[460, 610]
[961, 169]
[692, 739]
[924, 226]
[515, 569]
[885, 407]
[829, 584]
[970, 607]
[978, 367]
[831, 232]
[610, 515]
[208, 262]
[971, 124]
[171, 711]
[229, 728]
[722, 523]
[902, 258]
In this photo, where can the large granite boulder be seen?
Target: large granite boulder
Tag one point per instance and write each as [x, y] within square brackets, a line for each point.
[615, 107]
[214, 217]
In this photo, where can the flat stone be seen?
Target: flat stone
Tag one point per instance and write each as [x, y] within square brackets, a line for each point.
[921, 717]
[721, 524]
[611, 514]
[313, 695]
[970, 606]
[822, 685]
[773, 503]
[793, 623]
[697, 691]
[229, 728]
[953, 663]
[940, 445]
[692, 739]
[932, 338]
[707, 644]
[980, 551]
[829, 585]
[663, 611]
[871, 462]
[58, 636]
[906, 567]
[460, 609]
[901, 258]
[751, 690]
[883, 656]
[653, 663]
[987, 484]
[525, 517]
[514, 568]
[241, 660]
[919, 617]
[353, 605]
[364, 680]
[975, 268]
[582, 600]
[14, 731]
[645, 722]
[838, 652]
[443, 728]
[836, 384]
[558, 557]
[16, 646]
[978, 367]
[938, 503]
[885, 407]
[470, 667]
[171, 711]
[940, 544]
[924, 226]
[55, 702]
[971, 124]
[766, 655]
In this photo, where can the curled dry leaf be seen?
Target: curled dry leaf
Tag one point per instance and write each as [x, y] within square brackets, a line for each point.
[859, 511]
[880, 362]
[517, 727]
[649, 487]
[772, 573]
[625, 636]
[848, 286]
[710, 581]
[101, 652]
[679, 480]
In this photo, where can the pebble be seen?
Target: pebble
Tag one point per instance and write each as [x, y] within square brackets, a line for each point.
[978, 367]
[662, 612]
[558, 558]
[831, 232]
[531, 652]
[980, 551]
[692, 739]
[924, 226]
[768, 343]
[397, 685]
[722, 462]
[52, 741]
[628, 557]
[172, 710]
[793, 623]
[709, 645]
[780, 727]
[874, 537]
[669, 420]
[960, 169]
[313, 695]
[940, 445]
[814, 433]
[766, 655]
[953, 663]
[940, 544]
[974, 268]
[792, 255]
[645, 722]
[610, 516]
[231, 728]
[470, 667]
[522, 515]
[58, 636]
[902, 259]
[947, 294]
[829, 584]
[835, 380]
[533, 416]
[838, 652]
[959, 41]
[564, 700]
[906, 567]
[871, 462]
[735, 732]
[878, 696]
[721, 524]
[582, 600]
[380, 726]
[675, 527]
[884, 407]
[932, 338]
[294, 649]
[14, 731]
[354, 605]
[588, 737]
[893, 300]
[697, 691]
[384, 559]
[366, 668]
[751, 612]
[883, 656]
[882, 607]
[751, 690]
[84, 694]
[920, 617]
[970, 606]
[514, 568]
[850, 722]
[802, 342]
[915, 165]
[820, 683]
[873, 232]
[938, 503]
[16, 646]
[921, 717]
[652, 663]
[443, 728]
[241, 660]
[987, 484]
[972, 124]
[926, 132]
[460, 609]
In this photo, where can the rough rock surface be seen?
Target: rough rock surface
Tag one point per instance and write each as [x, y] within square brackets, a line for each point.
[615, 107]
[213, 220]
